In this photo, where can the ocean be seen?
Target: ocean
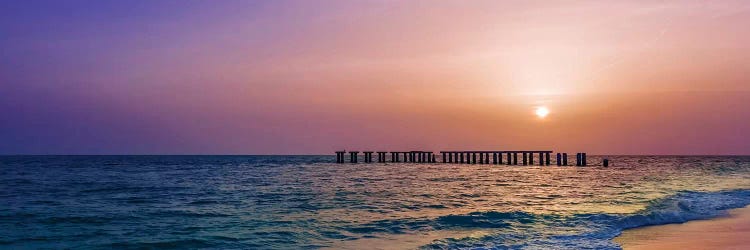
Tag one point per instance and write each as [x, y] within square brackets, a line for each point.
[310, 202]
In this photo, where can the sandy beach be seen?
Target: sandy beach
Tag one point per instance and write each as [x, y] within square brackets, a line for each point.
[728, 232]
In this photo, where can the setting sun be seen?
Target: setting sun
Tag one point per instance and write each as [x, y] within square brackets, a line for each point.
[542, 112]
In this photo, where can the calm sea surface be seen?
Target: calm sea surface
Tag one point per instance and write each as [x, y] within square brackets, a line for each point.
[308, 202]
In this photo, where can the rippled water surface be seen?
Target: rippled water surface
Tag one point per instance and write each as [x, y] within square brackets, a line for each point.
[297, 202]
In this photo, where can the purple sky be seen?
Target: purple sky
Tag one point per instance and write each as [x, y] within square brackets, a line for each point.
[310, 77]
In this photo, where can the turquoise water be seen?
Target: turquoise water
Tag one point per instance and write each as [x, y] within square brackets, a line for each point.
[308, 202]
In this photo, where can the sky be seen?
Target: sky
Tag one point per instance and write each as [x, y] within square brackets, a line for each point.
[312, 77]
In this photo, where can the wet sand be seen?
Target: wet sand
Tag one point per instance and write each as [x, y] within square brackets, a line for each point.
[728, 232]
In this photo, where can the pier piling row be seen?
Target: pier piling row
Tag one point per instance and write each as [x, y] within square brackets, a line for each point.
[464, 157]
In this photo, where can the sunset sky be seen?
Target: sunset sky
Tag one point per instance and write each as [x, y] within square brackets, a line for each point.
[311, 77]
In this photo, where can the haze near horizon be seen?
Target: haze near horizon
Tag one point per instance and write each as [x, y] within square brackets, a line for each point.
[311, 77]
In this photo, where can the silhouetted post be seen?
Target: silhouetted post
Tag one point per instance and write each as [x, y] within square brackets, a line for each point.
[486, 158]
[433, 157]
[340, 156]
[461, 156]
[515, 158]
[546, 156]
[510, 160]
[578, 159]
[494, 158]
[541, 159]
[565, 159]
[500, 158]
[473, 158]
[583, 159]
[369, 156]
[559, 159]
[531, 159]
[353, 156]
[606, 162]
[525, 161]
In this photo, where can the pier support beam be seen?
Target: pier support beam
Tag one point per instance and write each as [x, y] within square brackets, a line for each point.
[353, 156]
[546, 158]
[525, 161]
[510, 160]
[541, 159]
[531, 159]
[515, 158]
[605, 162]
[494, 158]
[368, 156]
[340, 156]
[559, 159]
[565, 159]
[473, 158]
[578, 159]
[583, 159]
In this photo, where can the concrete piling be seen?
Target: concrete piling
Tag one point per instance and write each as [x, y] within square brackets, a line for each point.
[508, 156]
[340, 156]
[583, 159]
[368, 156]
[559, 159]
[565, 159]
[605, 162]
[353, 156]
[525, 161]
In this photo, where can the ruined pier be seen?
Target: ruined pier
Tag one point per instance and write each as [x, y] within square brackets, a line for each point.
[501, 157]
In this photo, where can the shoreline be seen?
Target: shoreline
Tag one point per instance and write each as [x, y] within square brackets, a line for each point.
[725, 232]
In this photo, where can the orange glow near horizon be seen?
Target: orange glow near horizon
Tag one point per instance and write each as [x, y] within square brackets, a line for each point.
[308, 78]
